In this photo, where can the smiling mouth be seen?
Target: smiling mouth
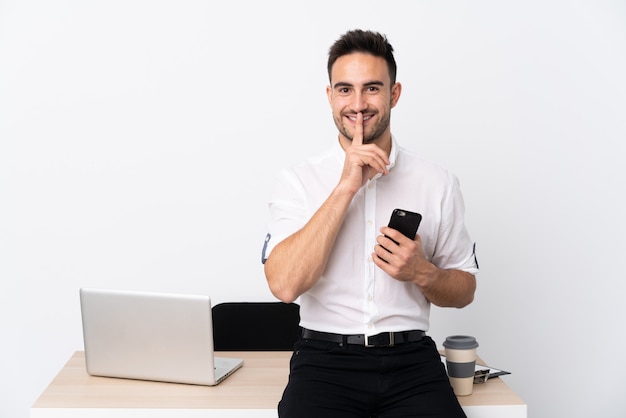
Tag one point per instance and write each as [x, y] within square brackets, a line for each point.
[365, 118]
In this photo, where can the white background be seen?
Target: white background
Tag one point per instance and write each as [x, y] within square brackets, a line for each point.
[139, 142]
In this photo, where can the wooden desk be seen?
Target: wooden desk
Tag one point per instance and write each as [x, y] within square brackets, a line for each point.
[253, 391]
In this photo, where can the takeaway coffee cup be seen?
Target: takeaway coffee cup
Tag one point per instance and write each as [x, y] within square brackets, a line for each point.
[461, 361]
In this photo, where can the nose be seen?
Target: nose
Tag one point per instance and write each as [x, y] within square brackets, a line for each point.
[359, 103]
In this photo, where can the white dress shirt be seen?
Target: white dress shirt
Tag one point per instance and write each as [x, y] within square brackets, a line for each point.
[354, 296]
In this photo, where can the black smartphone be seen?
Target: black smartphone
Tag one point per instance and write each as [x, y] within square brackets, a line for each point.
[405, 221]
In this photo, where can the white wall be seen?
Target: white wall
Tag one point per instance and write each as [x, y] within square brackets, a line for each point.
[139, 141]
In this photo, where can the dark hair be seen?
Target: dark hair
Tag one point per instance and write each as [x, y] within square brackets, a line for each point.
[368, 42]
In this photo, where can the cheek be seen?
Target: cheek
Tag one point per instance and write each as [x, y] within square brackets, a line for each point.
[338, 109]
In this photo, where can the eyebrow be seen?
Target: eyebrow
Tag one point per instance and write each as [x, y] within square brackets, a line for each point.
[368, 84]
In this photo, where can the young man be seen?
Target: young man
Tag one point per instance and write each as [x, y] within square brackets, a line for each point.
[365, 289]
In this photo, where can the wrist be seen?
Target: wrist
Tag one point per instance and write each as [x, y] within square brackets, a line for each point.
[343, 190]
[426, 276]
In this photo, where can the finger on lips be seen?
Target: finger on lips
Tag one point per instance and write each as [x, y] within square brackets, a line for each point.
[358, 130]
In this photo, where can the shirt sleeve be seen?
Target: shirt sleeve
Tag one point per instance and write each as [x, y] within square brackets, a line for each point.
[454, 249]
[288, 211]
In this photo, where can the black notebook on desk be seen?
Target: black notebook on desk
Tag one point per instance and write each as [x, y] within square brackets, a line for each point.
[487, 372]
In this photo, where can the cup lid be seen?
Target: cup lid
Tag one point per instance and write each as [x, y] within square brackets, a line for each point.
[462, 342]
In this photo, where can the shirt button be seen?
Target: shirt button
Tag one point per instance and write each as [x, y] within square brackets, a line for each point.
[370, 298]
[370, 185]
[370, 325]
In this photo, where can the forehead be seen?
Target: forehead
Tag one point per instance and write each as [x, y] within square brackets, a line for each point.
[359, 68]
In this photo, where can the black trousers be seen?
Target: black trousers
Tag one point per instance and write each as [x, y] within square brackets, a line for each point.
[335, 380]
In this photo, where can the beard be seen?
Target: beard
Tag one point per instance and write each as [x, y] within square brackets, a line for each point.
[370, 132]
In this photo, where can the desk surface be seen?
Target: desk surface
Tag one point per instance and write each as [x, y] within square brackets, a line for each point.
[254, 390]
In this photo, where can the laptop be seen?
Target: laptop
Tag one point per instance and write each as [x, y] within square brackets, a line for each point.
[164, 337]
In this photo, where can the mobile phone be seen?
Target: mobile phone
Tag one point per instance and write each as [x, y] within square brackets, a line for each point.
[405, 221]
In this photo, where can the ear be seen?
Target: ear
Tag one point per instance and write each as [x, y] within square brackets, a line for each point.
[396, 90]
[329, 93]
